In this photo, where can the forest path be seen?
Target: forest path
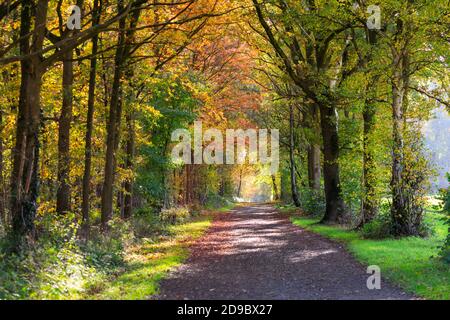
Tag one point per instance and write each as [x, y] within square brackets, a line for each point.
[254, 252]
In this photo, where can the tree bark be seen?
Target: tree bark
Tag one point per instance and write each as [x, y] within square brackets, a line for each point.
[86, 187]
[111, 141]
[3, 218]
[369, 208]
[294, 190]
[63, 192]
[25, 172]
[335, 207]
[314, 167]
[400, 82]
[369, 205]
[128, 185]
[115, 112]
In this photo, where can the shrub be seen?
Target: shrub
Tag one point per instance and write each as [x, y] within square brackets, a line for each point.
[175, 215]
[52, 267]
[313, 202]
[147, 223]
[380, 227]
[106, 250]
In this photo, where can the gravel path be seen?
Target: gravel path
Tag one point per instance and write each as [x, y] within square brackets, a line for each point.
[254, 252]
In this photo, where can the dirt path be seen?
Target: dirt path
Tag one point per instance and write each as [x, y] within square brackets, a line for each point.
[256, 253]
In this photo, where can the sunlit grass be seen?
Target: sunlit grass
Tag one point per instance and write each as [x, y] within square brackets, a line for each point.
[147, 263]
[410, 262]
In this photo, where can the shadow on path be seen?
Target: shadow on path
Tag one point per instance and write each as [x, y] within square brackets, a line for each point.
[254, 252]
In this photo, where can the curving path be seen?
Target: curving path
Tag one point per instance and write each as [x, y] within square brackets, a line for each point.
[254, 252]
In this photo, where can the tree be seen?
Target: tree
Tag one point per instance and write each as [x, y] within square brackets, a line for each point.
[317, 71]
[294, 190]
[412, 24]
[65, 119]
[25, 173]
[86, 187]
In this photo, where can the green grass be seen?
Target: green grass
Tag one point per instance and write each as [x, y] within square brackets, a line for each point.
[149, 262]
[409, 262]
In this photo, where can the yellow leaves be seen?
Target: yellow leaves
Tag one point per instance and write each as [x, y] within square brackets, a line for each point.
[149, 110]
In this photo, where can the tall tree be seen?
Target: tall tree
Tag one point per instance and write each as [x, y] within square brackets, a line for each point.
[65, 119]
[86, 185]
[294, 188]
[25, 173]
[64, 190]
[123, 51]
[306, 59]
[2, 190]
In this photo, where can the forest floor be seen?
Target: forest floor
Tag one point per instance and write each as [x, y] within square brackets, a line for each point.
[255, 252]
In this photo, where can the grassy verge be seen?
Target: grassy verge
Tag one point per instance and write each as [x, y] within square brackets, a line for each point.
[409, 262]
[148, 262]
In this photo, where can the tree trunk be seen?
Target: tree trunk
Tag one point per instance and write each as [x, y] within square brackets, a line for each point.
[115, 112]
[120, 207]
[369, 205]
[3, 218]
[314, 167]
[240, 184]
[275, 188]
[128, 185]
[400, 82]
[86, 188]
[294, 190]
[25, 172]
[63, 193]
[111, 142]
[335, 207]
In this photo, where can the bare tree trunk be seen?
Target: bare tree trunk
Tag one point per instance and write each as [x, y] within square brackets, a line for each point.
[115, 112]
[400, 82]
[335, 207]
[63, 193]
[85, 206]
[369, 205]
[111, 141]
[314, 167]
[314, 152]
[25, 172]
[120, 197]
[294, 190]
[128, 185]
